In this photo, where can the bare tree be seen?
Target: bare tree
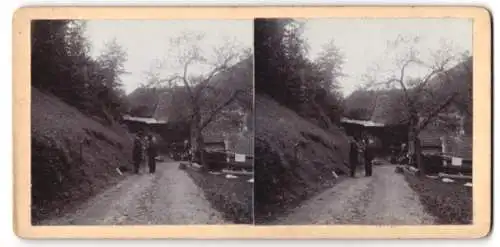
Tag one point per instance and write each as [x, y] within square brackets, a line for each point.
[196, 75]
[416, 75]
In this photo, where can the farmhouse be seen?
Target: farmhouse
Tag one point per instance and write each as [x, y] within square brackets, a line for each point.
[453, 150]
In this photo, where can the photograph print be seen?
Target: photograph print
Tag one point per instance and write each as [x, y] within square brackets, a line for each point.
[141, 122]
[363, 121]
[296, 122]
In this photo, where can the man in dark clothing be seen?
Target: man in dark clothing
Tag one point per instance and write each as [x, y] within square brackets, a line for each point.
[368, 157]
[137, 152]
[152, 153]
[185, 150]
[353, 156]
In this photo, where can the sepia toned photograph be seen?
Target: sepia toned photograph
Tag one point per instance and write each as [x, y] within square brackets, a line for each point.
[141, 122]
[363, 121]
[252, 122]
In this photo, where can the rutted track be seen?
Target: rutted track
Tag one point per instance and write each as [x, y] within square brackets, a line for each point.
[383, 199]
[167, 197]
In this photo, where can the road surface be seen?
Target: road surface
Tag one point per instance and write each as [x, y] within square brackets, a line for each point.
[167, 197]
[383, 199]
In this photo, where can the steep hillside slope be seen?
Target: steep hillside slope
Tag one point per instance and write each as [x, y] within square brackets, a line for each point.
[238, 77]
[142, 101]
[73, 156]
[286, 177]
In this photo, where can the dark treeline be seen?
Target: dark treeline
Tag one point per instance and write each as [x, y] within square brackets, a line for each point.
[61, 64]
[284, 72]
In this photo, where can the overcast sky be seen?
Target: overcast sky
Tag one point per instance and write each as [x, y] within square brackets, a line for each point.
[148, 40]
[364, 41]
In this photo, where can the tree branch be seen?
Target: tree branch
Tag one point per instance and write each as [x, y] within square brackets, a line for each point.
[185, 80]
[435, 112]
[402, 77]
[427, 78]
[440, 68]
[157, 83]
[219, 108]
[219, 68]
[205, 83]
[399, 80]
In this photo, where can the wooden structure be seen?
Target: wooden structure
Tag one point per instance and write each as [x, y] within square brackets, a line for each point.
[452, 152]
[441, 151]
[240, 151]
[214, 144]
[387, 135]
[173, 134]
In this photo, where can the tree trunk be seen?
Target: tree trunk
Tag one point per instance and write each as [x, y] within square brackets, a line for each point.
[414, 141]
[198, 144]
[415, 149]
[418, 152]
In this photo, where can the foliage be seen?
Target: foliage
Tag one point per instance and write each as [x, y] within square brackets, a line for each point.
[61, 64]
[360, 104]
[143, 101]
[284, 72]
[329, 65]
[289, 173]
[65, 170]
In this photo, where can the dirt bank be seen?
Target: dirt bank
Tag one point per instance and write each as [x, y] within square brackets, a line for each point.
[73, 155]
[287, 175]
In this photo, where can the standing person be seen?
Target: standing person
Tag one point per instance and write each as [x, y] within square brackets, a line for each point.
[353, 156]
[144, 140]
[368, 156]
[403, 154]
[186, 150]
[137, 152]
[151, 153]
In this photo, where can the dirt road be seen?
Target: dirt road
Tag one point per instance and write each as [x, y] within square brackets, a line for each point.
[167, 197]
[383, 199]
